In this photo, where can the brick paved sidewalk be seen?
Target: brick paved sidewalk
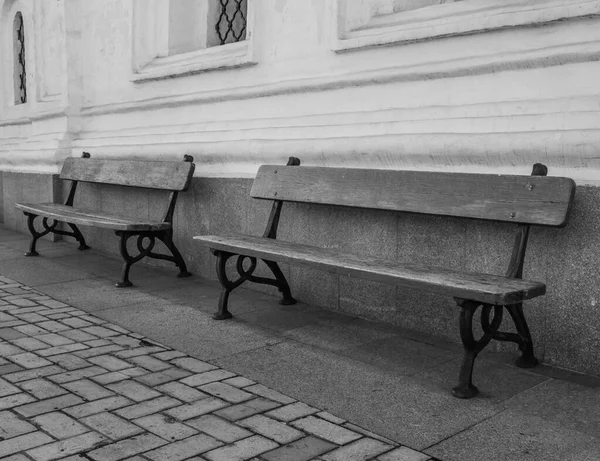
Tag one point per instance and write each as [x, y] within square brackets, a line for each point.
[75, 387]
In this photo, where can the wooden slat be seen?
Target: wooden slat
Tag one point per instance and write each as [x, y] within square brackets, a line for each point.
[175, 176]
[492, 289]
[91, 218]
[521, 199]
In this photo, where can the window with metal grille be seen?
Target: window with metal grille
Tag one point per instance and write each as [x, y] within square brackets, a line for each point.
[20, 72]
[231, 21]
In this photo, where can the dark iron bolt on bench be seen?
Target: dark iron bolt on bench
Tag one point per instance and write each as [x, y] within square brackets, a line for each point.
[168, 176]
[523, 200]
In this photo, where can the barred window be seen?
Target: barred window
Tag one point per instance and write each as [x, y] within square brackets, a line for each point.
[231, 22]
[20, 71]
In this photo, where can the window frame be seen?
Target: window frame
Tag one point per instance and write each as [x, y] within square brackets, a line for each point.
[358, 28]
[150, 44]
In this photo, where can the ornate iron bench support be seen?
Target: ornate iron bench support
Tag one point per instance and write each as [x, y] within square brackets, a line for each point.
[76, 233]
[146, 250]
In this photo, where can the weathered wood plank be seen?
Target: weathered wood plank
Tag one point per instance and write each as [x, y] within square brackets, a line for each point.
[486, 288]
[519, 199]
[175, 176]
[91, 218]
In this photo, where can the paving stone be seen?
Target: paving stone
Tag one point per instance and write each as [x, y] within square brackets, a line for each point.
[4, 317]
[133, 372]
[117, 328]
[326, 430]
[193, 365]
[139, 351]
[249, 408]
[161, 377]
[360, 430]
[331, 418]
[226, 392]
[62, 349]
[148, 407]
[15, 400]
[54, 340]
[301, 450]
[168, 355]
[59, 425]
[7, 389]
[150, 363]
[17, 458]
[30, 317]
[23, 442]
[199, 408]
[10, 333]
[111, 425]
[207, 377]
[270, 394]
[66, 447]
[99, 331]
[75, 375]
[98, 406]
[293, 411]
[403, 454]
[30, 360]
[12, 426]
[76, 323]
[12, 323]
[241, 450]
[6, 350]
[29, 344]
[133, 390]
[95, 350]
[165, 427]
[361, 450]
[31, 374]
[78, 335]
[46, 406]
[219, 428]
[41, 388]
[239, 381]
[271, 428]
[31, 330]
[184, 449]
[87, 389]
[182, 392]
[53, 303]
[53, 326]
[126, 448]
[69, 361]
[10, 368]
[112, 377]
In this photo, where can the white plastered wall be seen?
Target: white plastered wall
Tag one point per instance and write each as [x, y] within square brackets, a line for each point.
[334, 87]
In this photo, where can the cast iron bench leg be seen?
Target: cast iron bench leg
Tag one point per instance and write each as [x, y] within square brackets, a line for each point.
[79, 237]
[282, 284]
[167, 239]
[527, 359]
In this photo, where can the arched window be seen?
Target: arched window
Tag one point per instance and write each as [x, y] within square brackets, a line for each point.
[20, 73]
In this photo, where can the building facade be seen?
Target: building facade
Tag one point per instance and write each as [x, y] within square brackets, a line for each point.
[443, 85]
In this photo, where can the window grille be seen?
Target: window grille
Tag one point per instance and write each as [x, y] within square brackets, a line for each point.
[231, 22]
[20, 76]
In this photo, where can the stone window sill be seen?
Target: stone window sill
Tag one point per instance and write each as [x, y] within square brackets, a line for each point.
[219, 57]
[460, 18]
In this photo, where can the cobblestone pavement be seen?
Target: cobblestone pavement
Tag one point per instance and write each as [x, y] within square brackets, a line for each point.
[75, 387]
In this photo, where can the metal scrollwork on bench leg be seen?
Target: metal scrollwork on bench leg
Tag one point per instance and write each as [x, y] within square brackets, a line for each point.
[229, 285]
[527, 359]
[282, 284]
[79, 237]
[35, 235]
[129, 260]
[465, 388]
[167, 239]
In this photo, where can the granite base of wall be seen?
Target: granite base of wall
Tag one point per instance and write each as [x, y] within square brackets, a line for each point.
[564, 323]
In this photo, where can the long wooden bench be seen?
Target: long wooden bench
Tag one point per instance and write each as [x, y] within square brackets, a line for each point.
[168, 176]
[523, 200]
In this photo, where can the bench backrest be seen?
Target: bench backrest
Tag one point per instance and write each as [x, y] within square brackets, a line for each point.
[173, 176]
[521, 199]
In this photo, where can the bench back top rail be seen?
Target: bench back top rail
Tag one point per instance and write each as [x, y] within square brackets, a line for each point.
[173, 176]
[521, 199]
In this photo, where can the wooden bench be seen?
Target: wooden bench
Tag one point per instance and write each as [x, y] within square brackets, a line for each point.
[523, 200]
[168, 176]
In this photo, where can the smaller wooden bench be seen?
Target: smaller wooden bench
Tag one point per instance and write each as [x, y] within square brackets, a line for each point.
[523, 200]
[168, 176]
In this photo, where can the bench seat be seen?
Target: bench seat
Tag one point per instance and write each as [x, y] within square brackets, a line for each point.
[487, 288]
[91, 218]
